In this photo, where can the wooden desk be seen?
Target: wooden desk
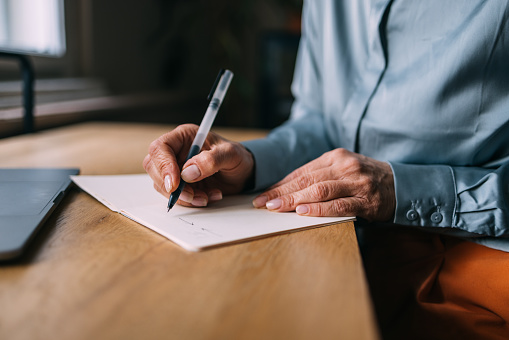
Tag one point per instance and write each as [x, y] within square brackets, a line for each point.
[94, 274]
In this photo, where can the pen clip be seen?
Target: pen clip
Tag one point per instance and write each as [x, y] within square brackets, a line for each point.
[216, 82]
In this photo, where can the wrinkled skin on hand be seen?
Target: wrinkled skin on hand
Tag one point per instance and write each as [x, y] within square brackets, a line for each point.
[222, 167]
[339, 183]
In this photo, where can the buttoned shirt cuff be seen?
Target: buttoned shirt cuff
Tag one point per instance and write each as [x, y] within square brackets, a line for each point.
[425, 195]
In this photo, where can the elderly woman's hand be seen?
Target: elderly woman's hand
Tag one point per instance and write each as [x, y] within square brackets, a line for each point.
[223, 166]
[339, 183]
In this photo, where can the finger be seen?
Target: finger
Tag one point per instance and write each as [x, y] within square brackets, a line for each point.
[318, 164]
[295, 185]
[146, 160]
[200, 199]
[303, 171]
[167, 150]
[348, 206]
[184, 204]
[186, 196]
[215, 195]
[306, 181]
[324, 161]
[318, 192]
[163, 164]
[156, 178]
[193, 197]
[301, 182]
[224, 156]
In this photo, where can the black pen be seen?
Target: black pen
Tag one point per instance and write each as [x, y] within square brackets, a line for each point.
[216, 97]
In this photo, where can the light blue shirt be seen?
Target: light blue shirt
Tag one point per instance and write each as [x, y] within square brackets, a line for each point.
[423, 85]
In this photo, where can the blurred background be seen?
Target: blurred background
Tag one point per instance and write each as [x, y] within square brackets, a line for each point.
[155, 61]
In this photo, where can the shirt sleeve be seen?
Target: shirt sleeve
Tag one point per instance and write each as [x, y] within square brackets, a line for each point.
[303, 137]
[464, 201]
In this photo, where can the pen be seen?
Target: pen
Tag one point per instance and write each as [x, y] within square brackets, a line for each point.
[216, 97]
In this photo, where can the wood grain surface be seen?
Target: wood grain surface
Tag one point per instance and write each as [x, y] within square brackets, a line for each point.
[94, 274]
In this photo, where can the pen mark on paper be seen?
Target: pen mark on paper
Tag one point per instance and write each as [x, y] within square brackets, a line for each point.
[211, 232]
[203, 232]
[191, 223]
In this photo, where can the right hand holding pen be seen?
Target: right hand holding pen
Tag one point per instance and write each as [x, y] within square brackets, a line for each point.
[222, 167]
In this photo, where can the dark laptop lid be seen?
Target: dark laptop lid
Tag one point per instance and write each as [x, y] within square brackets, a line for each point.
[27, 198]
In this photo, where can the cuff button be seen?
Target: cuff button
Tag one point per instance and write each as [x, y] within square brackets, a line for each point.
[436, 217]
[412, 215]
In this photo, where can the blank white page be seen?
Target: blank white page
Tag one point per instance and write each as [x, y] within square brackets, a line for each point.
[233, 219]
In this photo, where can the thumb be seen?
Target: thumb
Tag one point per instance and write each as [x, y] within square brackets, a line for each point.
[222, 157]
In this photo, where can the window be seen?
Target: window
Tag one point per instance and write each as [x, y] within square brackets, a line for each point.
[32, 27]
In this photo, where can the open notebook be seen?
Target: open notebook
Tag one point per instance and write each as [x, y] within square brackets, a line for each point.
[233, 219]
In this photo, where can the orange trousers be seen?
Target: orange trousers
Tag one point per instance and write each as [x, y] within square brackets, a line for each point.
[430, 286]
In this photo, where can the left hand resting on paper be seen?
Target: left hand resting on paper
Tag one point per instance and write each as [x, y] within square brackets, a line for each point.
[339, 183]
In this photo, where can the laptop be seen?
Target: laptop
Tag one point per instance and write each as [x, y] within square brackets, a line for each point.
[27, 198]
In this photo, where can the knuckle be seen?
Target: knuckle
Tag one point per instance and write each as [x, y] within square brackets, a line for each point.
[186, 127]
[331, 156]
[319, 210]
[339, 153]
[325, 209]
[290, 200]
[182, 132]
[318, 191]
[146, 162]
[342, 151]
[303, 181]
[353, 163]
[155, 146]
[209, 160]
[159, 166]
[229, 148]
[342, 207]
[223, 153]
[274, 193]
[366, 182]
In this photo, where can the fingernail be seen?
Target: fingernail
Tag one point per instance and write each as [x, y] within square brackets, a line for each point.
[302, 209]
[186, 197]
[167, 183]
[260, 201]
[216, 196]
[199, 202]
[274, 204]
[190, 173]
